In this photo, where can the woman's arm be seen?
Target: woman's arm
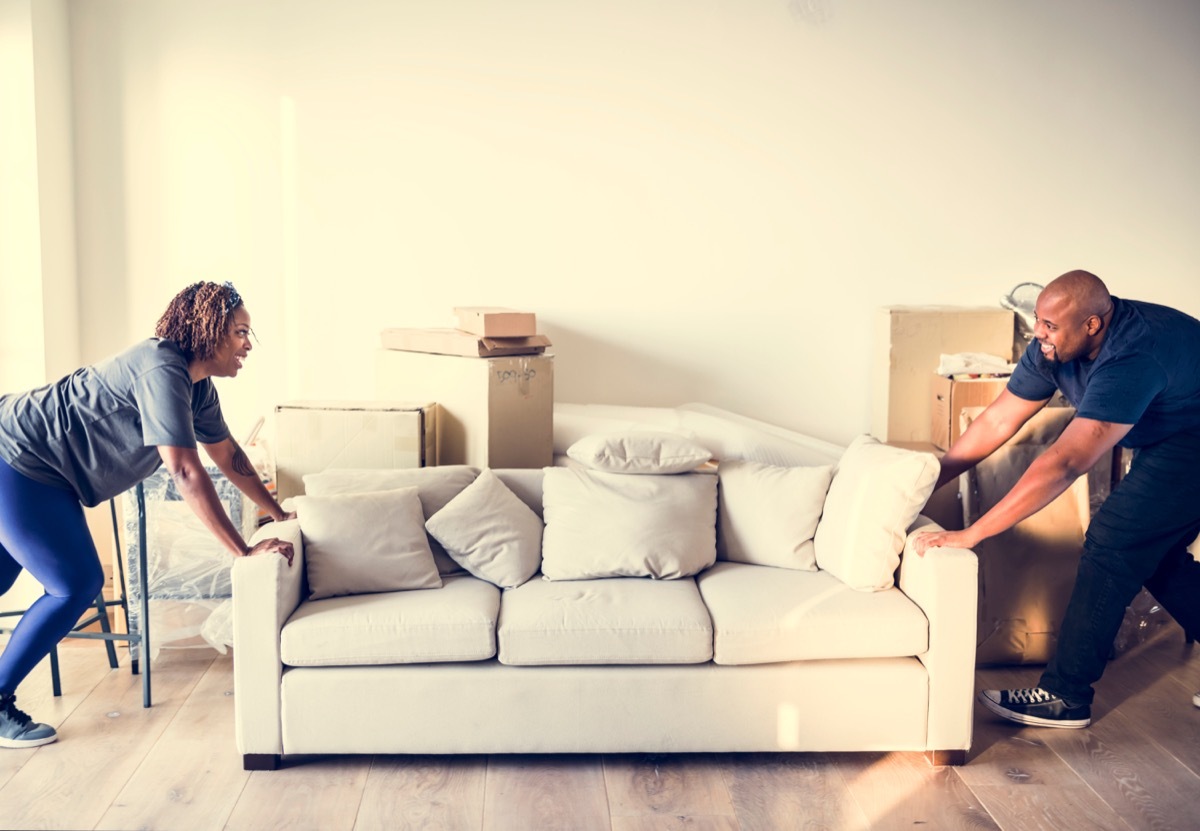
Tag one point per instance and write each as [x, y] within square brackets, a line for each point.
[235, 464]
[196, 488]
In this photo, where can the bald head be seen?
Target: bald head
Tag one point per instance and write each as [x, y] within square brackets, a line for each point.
[1085, 293]
[1073, 314]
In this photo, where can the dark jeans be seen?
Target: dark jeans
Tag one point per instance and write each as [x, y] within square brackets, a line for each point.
[1139, 537]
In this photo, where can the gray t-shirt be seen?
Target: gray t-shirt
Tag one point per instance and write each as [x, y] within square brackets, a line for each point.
[97, 431]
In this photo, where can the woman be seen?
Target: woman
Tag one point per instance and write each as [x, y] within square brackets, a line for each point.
[96, 433]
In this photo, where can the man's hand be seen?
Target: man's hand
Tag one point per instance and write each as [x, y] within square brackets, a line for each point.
[267, 546]
[926, 540]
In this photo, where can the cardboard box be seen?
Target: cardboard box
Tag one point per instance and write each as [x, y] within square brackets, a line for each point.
[950, 396]
[945, 504]
[909, 343]
[458, 342]
[1026, 573]
[491, 412]
[311, 436]
[496, 321]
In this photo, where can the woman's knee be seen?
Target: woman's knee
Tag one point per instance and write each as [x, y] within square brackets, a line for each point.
[83, 583]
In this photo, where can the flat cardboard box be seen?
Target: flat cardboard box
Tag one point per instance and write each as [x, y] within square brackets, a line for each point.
[490, 412]
[910, 341]
[460, 343]
[496, 321]
[950, 397]
[311, 436]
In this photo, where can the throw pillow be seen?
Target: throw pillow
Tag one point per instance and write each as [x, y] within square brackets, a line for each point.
[365, 542]
[639, 451]
[767, 515]
[490, 532]
[435, 487]
[876, 494]
[609, 525]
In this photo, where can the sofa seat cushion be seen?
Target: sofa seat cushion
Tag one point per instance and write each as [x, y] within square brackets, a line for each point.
[614, 620]
[454, 623]
[762, 615]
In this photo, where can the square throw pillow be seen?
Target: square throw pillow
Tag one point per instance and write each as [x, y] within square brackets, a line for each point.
[490, 532]
[435, 487]
[876, 493]
[361, 543]
[767, 515]
[639, 451]
[611, 525]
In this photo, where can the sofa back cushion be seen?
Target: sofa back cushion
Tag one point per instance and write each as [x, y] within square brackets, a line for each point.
[613, 525]
[767, 515]
[358, 543]
[435, 487]
[876, 494]
[639, 452]
[490, 532]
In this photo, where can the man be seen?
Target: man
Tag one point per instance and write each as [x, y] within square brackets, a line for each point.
[1132, 372]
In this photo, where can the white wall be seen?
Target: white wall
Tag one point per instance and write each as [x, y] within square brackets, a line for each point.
[701, 199]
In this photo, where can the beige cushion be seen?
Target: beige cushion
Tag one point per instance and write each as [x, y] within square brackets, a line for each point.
[763, 615]
[490, 532]
[622, 620]
[639, 451]
[767, 515]
[611, 525]
[877, 492]
[455, 623]
[435, 486]
[365, 542]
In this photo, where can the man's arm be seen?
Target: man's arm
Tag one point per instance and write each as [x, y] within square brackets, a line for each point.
[994, 426]
[1079, 447]
[235, 464]
[196, 488]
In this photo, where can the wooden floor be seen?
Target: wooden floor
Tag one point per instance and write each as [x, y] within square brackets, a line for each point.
[174, 767]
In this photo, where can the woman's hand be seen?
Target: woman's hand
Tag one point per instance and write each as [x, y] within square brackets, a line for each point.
[266, 546]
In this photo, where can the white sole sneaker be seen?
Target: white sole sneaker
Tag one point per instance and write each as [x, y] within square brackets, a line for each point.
[1049, 714]
[19, 743]
[1196, 699]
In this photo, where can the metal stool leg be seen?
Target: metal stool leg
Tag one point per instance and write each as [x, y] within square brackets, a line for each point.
[102, 611]
[55, 682]
[144, 596]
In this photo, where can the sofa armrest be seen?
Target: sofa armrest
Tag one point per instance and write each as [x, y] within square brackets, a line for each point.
[944, 583]
[265, 593]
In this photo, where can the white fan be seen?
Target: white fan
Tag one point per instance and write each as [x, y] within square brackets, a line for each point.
[1023, 300]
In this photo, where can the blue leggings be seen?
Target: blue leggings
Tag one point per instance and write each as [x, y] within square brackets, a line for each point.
[43, 530]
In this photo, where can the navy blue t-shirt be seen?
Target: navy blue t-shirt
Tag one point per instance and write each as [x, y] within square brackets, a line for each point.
[1147, 374]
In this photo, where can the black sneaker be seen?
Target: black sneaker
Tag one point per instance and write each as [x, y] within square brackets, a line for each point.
[1035, 706]
[19, 730]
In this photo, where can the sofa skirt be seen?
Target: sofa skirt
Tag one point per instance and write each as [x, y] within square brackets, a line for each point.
[487, 707]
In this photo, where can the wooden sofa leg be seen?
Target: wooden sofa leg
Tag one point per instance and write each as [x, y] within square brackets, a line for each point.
[260, 761]
[940, 758]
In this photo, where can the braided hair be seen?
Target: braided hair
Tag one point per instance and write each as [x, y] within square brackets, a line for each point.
[198, 318]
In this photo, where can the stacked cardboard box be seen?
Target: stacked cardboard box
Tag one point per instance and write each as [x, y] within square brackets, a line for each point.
[483, 332]
[491, 379]
[312, 436]
[910, 342]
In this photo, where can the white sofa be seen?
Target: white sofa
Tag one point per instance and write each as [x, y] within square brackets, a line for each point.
[738, 657]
